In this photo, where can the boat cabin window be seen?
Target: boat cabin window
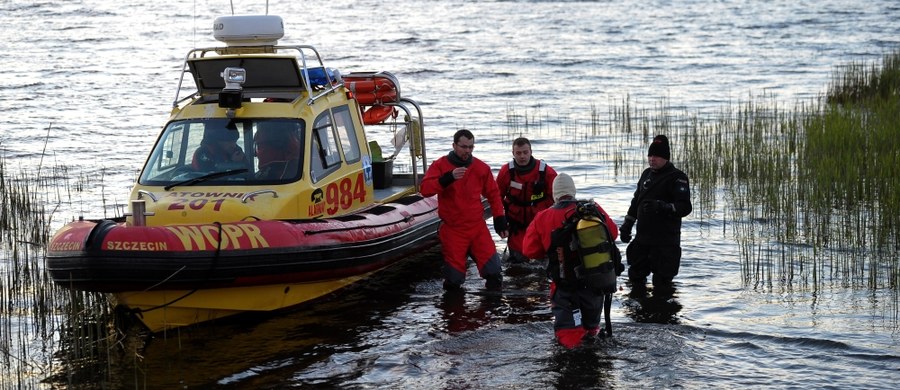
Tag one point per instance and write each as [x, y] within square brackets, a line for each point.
[347, 133]
[221, 151]
[279, 149]
[324, 157]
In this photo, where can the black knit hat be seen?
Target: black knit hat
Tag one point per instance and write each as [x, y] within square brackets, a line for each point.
[659, 147]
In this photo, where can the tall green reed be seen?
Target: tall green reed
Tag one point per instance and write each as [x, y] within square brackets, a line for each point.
[811, 192]
[46, 332]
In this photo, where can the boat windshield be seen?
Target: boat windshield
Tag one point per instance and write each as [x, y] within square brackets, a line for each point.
[226, 152]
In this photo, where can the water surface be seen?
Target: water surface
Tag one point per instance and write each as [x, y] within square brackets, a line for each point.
[88, 85]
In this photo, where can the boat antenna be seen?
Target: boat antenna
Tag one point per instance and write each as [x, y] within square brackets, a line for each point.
[194, 21]
[232, 6]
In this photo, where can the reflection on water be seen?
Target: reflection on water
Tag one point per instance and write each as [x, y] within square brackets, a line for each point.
[401, 330]
[656, 305]
[588, 367]
[460, 316]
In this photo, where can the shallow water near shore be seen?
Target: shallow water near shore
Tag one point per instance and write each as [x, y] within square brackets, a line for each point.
[402, 330]
[90, 84]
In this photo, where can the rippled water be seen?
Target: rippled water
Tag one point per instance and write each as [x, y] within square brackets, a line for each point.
[91, 83]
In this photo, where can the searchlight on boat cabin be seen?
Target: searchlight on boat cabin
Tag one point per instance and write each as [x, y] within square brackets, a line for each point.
[248, 30]
[232, 94]
[234, 78]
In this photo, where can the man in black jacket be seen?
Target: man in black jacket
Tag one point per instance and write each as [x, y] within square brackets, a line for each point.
[662, 198]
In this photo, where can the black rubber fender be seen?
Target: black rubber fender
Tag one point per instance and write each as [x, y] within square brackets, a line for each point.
[98, 233]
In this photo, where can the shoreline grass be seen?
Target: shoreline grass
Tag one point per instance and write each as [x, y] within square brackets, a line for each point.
[811, 192]
[45, 331]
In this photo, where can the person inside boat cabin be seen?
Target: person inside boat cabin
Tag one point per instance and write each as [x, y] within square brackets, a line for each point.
[662, 198]
[460, 180]
[219, 151]
[277, 149]
[576, 307]
[525, 185]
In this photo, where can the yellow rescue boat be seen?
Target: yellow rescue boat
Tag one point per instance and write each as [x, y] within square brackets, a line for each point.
[262, 190]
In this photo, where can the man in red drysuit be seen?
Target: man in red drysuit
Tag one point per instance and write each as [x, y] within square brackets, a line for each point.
[525, 185]
[460, 180]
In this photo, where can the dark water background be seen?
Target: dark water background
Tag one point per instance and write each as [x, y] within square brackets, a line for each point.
[88, 84]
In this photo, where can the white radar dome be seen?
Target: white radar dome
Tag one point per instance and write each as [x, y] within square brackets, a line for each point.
[248, 30]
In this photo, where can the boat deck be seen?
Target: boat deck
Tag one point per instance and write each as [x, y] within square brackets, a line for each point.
[401, 185]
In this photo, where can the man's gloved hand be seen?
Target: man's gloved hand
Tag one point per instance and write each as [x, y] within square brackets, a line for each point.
[514, 226]
[619, 268]
[500, 224]
[625, 229]
[657, 206]
[617, 260]
[446, 179]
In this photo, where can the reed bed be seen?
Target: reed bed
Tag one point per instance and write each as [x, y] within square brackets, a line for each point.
[25, 302]
[814, 189]
[811, 192]
[45, 331]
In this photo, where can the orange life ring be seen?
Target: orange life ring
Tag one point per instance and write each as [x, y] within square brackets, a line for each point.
[377, 114]
[371, 91]
[357, 84]
[360, 86]
[375, 98]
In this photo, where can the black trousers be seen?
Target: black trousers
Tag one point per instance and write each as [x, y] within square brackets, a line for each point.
[662, 261]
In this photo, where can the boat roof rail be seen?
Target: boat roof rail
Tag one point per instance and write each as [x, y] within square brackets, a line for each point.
[280, 73]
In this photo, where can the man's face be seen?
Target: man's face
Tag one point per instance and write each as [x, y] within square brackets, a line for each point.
[522, 154]
[463, 148]
[227, 145]
[656, 162]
